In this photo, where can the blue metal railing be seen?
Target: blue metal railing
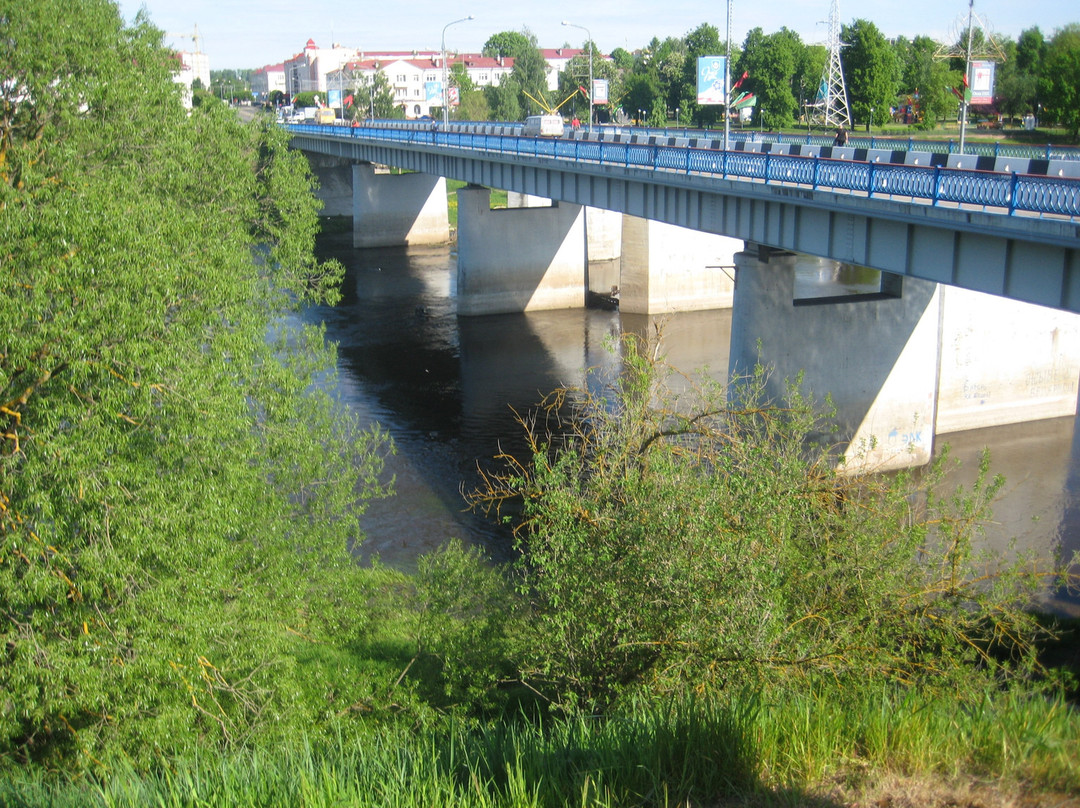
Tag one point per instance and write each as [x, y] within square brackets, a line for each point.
[1048, 151]
[1007, 192]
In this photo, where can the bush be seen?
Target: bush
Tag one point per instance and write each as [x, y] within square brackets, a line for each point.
[680, 536]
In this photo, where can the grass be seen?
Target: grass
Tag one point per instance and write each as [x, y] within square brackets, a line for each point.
[813, 748]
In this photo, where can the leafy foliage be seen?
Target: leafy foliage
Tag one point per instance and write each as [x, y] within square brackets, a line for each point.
[870, 70]
[773, 62]
[175, 500]
[677, 536]
[1059, 88]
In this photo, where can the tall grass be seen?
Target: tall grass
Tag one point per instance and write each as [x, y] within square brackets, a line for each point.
[755, 747]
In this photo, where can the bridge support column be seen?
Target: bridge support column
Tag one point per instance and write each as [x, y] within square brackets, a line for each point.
[518, 259]
[335, 176]
[603, 231]
[666, 268]
[902, 369]
[391, 210]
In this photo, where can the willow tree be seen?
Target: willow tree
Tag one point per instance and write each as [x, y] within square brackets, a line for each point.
[174, 498]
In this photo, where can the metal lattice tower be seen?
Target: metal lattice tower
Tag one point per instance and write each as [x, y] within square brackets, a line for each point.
[831, 105]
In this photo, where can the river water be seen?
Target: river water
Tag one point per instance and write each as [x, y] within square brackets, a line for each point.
[447, 389]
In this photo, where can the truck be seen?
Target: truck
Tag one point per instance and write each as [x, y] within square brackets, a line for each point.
[325, 115]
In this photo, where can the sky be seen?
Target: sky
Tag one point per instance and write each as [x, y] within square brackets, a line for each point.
[249, 34]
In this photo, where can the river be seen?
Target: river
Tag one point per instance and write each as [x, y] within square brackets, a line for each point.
[447, 389]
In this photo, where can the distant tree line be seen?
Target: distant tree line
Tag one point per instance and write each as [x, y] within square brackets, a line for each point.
[1039, 75]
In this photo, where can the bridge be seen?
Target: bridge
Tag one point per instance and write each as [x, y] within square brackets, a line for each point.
[1011, 234]
[972, 322]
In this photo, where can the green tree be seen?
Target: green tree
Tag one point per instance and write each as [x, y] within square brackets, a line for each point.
[504, 100]
[871, 72]
[809, 71]
[373, 97]
[623, 59]
[576, 75]
[508, 44]
[924, 80]
[1059, 84]
[176, 497]
[306, 99]
[529, 76]
[702, 41]
[662, 63]
[510, 100]
[1030, 50]
[774, 64]
[472, 105]
[643, 93]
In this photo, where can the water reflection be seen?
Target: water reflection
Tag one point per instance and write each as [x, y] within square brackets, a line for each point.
[447, 390]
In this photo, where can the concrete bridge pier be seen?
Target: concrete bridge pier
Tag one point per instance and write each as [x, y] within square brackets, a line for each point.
[391, 210]
[666, 268]
[603, 235]
[518, 259]
[334, 175]
[904, 366]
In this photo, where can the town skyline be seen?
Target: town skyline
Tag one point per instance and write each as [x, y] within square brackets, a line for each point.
[249, 35]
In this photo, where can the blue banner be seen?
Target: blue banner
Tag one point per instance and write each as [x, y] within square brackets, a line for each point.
[710, 80]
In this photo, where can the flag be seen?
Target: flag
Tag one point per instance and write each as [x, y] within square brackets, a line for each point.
[584, 92]
[348, 100]
[747, 100]
[964, 94]
[742, 78]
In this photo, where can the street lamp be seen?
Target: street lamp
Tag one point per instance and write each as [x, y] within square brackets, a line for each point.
[589, 35]
[445, 80]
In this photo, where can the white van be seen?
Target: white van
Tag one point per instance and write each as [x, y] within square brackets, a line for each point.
[543, 126]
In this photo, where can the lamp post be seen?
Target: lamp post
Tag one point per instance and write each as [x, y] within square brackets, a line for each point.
[727, 80]
[589, 35]
[445, 80]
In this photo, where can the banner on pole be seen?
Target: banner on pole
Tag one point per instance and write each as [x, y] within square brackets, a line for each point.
[981, 82]
[711, 74]
[599, 91]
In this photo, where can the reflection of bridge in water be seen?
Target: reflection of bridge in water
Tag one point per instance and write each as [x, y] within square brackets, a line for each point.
[930, 339]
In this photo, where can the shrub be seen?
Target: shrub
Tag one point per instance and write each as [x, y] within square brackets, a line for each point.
[679, 535]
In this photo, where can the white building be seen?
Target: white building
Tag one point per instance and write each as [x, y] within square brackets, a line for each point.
[268, 79]
[307, 70]
[557, 59]
[416, 81]
[415, 77]
[192, 66]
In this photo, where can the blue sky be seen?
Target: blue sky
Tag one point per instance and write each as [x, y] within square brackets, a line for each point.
[244, 33]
